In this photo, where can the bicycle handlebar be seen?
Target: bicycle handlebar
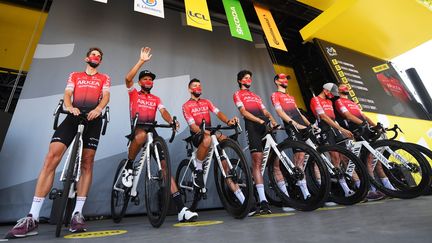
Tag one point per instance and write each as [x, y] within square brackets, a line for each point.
[59, 110]
[236, 127]
[154, 124]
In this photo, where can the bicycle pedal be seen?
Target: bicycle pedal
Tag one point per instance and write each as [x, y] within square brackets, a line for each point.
[135, 200]
[55, 193]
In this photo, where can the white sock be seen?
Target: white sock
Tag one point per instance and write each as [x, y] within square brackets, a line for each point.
[357, 184]
[199, 163]
[303, 187]
[372, 188]
[319, 181]
[282, 187]
[240, 196]
[347, 190]
[36, 207]
[261, 194]
[79, 205]
[387, 183]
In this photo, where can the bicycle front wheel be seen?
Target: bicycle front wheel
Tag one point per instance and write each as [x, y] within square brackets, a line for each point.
[427, 153]
[408, 171]
[237, 185]
[67, 183]
[157, 183]
[120, 195]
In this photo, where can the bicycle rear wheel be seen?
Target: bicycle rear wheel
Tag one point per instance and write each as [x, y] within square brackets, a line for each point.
[352, 171]
[238, 177]
[67, 183]
[184, 180]
[408, 172]
[270, 193]
[157, 183]
[427, 153]
[119, 197]
[315, 174]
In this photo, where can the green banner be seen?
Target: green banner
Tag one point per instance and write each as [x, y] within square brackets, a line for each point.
[237, 20]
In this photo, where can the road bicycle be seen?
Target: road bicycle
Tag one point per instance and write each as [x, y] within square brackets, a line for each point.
[72, 169]
[230, 169]
[155, 159]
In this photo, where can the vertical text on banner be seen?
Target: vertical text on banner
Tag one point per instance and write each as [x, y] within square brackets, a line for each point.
[270, 29]
[197, 14]
[151, 7]
[237, 20]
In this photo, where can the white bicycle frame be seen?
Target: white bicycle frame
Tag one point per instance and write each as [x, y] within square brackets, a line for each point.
[77, 168]
[145, 159]
[207, 163]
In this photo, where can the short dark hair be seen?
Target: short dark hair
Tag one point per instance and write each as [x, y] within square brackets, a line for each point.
[94, 49]
[243, 73]
[194, 80]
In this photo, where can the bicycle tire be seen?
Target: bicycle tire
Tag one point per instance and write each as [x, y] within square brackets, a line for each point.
[190, 197]
[408, 183]
[319, 192]
[270, 193]
[241, 175]
[118, 196]
[337, 194]
[427, 153]
[67, 185]
[158, 187]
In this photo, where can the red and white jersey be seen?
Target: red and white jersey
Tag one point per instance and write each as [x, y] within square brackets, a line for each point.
[393, 86]
[343, 105]
[250, 101]
[287, 103]
[87, 89]
[194, 111]
[145, 104]
[319, 106]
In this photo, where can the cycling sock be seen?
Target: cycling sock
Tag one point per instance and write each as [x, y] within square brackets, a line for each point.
[357, 184]
[387, 183]
[261, 194]
[240, 196]
[303, 187]
[372, 188]
[176, 196]
[79, 205]
[319, 181]
[36, 207]
[282, 187]
[347, 190]
[198, 164]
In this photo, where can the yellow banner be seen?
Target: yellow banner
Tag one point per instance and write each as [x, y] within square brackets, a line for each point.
[197, 14]
[270, 29]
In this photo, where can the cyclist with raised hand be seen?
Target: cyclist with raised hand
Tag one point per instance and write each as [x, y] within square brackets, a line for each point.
[86, 93]
[145, 104]
[195, 110]
[256, 118]
[287, 110]
[322, 108]
[355, 118]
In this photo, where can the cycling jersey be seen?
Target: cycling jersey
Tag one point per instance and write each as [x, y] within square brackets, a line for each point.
[343, 105]
[196, 110]
[393, 86]
[87, 89]
[319, 106]
[250, 101]
[145, 104]
[287, 103]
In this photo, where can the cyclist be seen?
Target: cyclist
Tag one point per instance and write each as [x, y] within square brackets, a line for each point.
[354, 119]
[256, 117]
[194, 111]
[145, 104]
[287, 110]
[91, 93]
[332, 132]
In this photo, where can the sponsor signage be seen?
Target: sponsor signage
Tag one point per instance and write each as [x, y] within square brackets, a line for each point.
[197, 14]
[151, 7]
[270, 29]
[237, 20]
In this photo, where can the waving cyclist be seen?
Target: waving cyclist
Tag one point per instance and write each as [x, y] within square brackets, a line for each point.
[194, 111]
[90, 93]
[355, 118]
[145, 104]
[256, 117]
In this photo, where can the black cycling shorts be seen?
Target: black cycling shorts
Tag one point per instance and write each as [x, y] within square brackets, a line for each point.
[197, 138]
[255, 133]
[67, 130]
[329, 134]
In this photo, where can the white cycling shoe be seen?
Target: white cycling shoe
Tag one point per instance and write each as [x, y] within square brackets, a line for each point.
[186, 215]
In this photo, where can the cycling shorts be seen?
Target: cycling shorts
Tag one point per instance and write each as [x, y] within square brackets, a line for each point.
[255, 133]
[67, 130]
[329, 134]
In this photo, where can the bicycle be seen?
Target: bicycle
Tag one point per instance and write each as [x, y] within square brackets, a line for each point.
[72, 168]
[230, 173]
[407, 170]
[280, 157]
[156, 161]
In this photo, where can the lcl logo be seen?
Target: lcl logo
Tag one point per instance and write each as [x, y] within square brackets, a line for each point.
[197, 17]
